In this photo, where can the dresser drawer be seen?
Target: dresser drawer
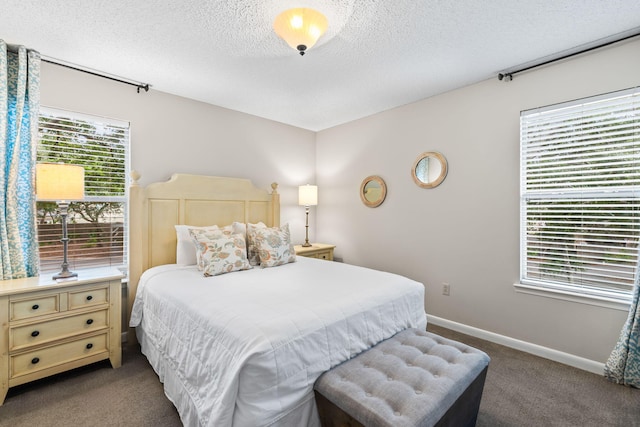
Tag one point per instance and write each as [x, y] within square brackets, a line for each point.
[43, 332]
[323, 255]
[88, 298]
[316, 250]
[320, 255]
[38, 360]
[35, 306]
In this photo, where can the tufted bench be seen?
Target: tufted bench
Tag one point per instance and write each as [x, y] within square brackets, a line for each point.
[414, 378]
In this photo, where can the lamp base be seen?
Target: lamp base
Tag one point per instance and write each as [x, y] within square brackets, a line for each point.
[65, 274]
[306, 243]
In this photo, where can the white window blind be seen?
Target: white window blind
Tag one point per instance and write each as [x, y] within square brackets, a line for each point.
[97, 226]
[580, 195]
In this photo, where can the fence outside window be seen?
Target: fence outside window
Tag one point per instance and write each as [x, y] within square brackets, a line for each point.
[97, 225]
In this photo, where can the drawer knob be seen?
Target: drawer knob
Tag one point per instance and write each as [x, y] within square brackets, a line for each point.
[35, 333]
[89, 346]
[35, 307]
[89, 321]
[35, 360]
[89, 297]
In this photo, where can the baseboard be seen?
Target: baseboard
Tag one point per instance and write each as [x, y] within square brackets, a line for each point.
[527, 347]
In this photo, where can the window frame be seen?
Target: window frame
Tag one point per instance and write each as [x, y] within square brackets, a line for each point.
[123, 199]
[589, 294]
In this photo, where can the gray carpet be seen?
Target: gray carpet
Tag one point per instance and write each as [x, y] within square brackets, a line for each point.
[525, 390]
[520, 390]
[94, 395]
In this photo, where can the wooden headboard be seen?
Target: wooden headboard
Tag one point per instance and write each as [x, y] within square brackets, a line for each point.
[195, 200]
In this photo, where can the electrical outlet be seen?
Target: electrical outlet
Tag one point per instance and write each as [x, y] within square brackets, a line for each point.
[446, 289]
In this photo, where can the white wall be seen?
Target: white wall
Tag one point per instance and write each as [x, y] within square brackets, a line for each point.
[174, 134]
[464, 232]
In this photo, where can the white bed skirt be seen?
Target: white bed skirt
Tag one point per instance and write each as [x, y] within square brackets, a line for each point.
[304, 415]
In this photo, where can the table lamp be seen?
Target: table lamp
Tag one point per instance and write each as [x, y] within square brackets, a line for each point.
[307, 196]
[60, 183]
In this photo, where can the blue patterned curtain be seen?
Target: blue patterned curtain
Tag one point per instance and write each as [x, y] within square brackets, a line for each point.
[19, 110]
[623, 366]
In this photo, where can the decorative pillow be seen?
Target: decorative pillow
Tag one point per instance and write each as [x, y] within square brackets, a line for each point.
[252, 250]
[221, 253]
[185, 250]
[199, 236]
[274, 246]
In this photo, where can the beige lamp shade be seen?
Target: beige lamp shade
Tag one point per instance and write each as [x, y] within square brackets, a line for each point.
[59, 182]
[300, 28]
[308, 195]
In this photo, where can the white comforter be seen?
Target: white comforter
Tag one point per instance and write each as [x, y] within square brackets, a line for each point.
[245, 348]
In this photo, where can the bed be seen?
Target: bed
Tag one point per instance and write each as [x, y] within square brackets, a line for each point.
[245, 348]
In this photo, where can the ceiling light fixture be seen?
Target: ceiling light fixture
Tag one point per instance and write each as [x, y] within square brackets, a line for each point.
[300, 28]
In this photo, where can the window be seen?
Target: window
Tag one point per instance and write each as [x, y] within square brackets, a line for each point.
[580, 196]
[97, 226]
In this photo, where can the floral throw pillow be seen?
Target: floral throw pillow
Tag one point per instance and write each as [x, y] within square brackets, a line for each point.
[222, 253]
[185, 251]
[274, 246]
[200, 236]
[252, 250]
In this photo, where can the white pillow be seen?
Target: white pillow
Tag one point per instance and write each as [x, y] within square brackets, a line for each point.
[185, 249]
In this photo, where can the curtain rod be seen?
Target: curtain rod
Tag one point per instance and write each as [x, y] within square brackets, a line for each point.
[508, 76]
[138, 85]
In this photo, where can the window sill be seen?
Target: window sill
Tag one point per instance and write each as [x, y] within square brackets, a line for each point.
[598, 301]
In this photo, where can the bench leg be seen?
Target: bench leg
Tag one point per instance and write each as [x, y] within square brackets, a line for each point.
[464, 411]
[332, 416]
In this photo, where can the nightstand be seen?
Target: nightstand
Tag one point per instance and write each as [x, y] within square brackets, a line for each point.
[49, 326]
[316, 250]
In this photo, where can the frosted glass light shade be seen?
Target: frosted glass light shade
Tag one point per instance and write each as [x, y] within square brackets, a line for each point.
[300, 28]
[308, 195]
[59, 182]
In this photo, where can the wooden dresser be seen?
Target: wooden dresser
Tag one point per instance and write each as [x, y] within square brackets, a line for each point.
[48, 326]
[316, 250]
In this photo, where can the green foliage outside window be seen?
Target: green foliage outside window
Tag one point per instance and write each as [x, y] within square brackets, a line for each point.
[96, 224]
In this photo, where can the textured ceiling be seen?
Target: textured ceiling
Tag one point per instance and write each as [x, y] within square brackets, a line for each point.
[376, 55]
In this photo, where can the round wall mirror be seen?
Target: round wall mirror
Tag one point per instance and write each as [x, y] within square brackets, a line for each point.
[373, 190]
[429, 169]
